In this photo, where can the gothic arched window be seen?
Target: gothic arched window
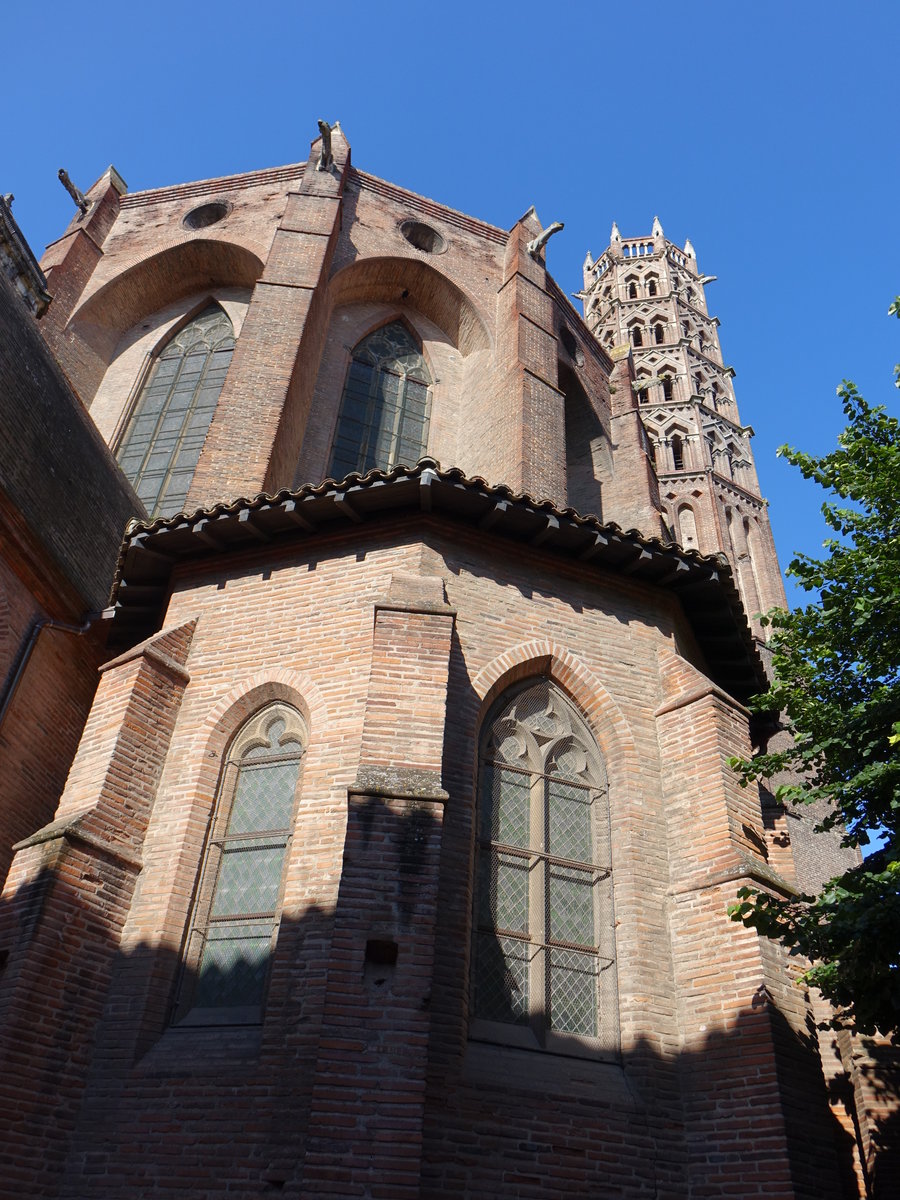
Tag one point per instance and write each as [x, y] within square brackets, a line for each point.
[238, 902]
[162, 441]
[544, 953]
[384, 414]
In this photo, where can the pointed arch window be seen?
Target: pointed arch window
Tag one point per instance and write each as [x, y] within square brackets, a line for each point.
[238, 901]
[385, 408]
[544, 953]
[677, 452]
[162, 441]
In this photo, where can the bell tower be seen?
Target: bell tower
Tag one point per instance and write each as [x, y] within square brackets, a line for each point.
[648, 294]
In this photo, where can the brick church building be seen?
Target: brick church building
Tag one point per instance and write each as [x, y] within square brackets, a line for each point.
[367, 824]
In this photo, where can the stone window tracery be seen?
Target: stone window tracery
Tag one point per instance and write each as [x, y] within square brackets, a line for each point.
[544, 950]
[385, 406]
[237, 906]
[162, 441]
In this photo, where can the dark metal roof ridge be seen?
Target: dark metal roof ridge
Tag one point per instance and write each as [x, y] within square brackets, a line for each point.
[714, 610]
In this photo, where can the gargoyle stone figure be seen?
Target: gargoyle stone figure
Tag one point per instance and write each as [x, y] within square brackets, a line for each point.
[73, 191]
[536, 245]
[326, 158]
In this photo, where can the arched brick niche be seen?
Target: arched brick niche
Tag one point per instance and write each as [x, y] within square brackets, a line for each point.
[416, 285]
[98, 324]
[453, 336]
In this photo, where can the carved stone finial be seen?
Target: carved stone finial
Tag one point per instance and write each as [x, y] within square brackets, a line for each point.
[9, 197]
[536, 245]
[657, 228]
[326, 158]
[615, 236]
[689, 249]
[73, 191]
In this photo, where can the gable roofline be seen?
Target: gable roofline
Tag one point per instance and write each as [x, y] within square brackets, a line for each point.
[703, 583]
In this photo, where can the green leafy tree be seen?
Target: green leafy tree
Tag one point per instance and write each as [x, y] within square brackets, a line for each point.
[837, 685]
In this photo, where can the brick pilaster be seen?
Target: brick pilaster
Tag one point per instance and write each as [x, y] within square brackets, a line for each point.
[258, 426]
[631, 496]
[366, 1128]
[741, 1025]
[526, 427]
[68, 264]
[66, 900]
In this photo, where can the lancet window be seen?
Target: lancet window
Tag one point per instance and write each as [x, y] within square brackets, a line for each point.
[165, 433]
[385, 407]
[544, 948]
[238, 901]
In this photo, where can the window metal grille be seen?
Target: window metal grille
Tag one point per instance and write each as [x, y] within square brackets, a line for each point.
[544, 938]
[236, 913]
[383, 420]
[166, 431]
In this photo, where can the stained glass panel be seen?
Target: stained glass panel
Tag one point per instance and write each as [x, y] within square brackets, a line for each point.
[501, 987]
[573, 992]
[264, 797]
[383, 419]
[233, 966]
[569, 821]
[237, 913]
[556, 896]
[570, 905]
[505, 812]
[165, 435]
[249, 878]
[503, 889]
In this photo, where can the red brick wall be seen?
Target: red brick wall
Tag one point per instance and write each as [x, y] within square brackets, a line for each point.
[46, 714]
[330, 1090]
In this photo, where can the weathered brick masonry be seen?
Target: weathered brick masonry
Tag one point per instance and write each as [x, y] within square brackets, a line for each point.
[389, 614]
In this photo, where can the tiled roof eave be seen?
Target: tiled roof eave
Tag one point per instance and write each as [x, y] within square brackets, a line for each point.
[704, 583]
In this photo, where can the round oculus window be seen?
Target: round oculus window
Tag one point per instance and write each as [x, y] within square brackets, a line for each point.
[422, 236]
[206, 214]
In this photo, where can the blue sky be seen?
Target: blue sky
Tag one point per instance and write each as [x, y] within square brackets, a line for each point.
[766, 132]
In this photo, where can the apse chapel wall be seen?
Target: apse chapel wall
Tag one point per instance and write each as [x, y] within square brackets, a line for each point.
[297, 625]
[390, 255]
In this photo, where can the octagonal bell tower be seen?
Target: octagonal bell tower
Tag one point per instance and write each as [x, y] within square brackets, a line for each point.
[647, 294]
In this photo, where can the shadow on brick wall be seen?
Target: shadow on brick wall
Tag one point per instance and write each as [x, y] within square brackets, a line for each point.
[101, 1095]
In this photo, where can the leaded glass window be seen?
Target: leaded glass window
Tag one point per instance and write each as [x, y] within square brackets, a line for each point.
[162, 441]
[235, 918]
[383, 420]
[544, 954]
